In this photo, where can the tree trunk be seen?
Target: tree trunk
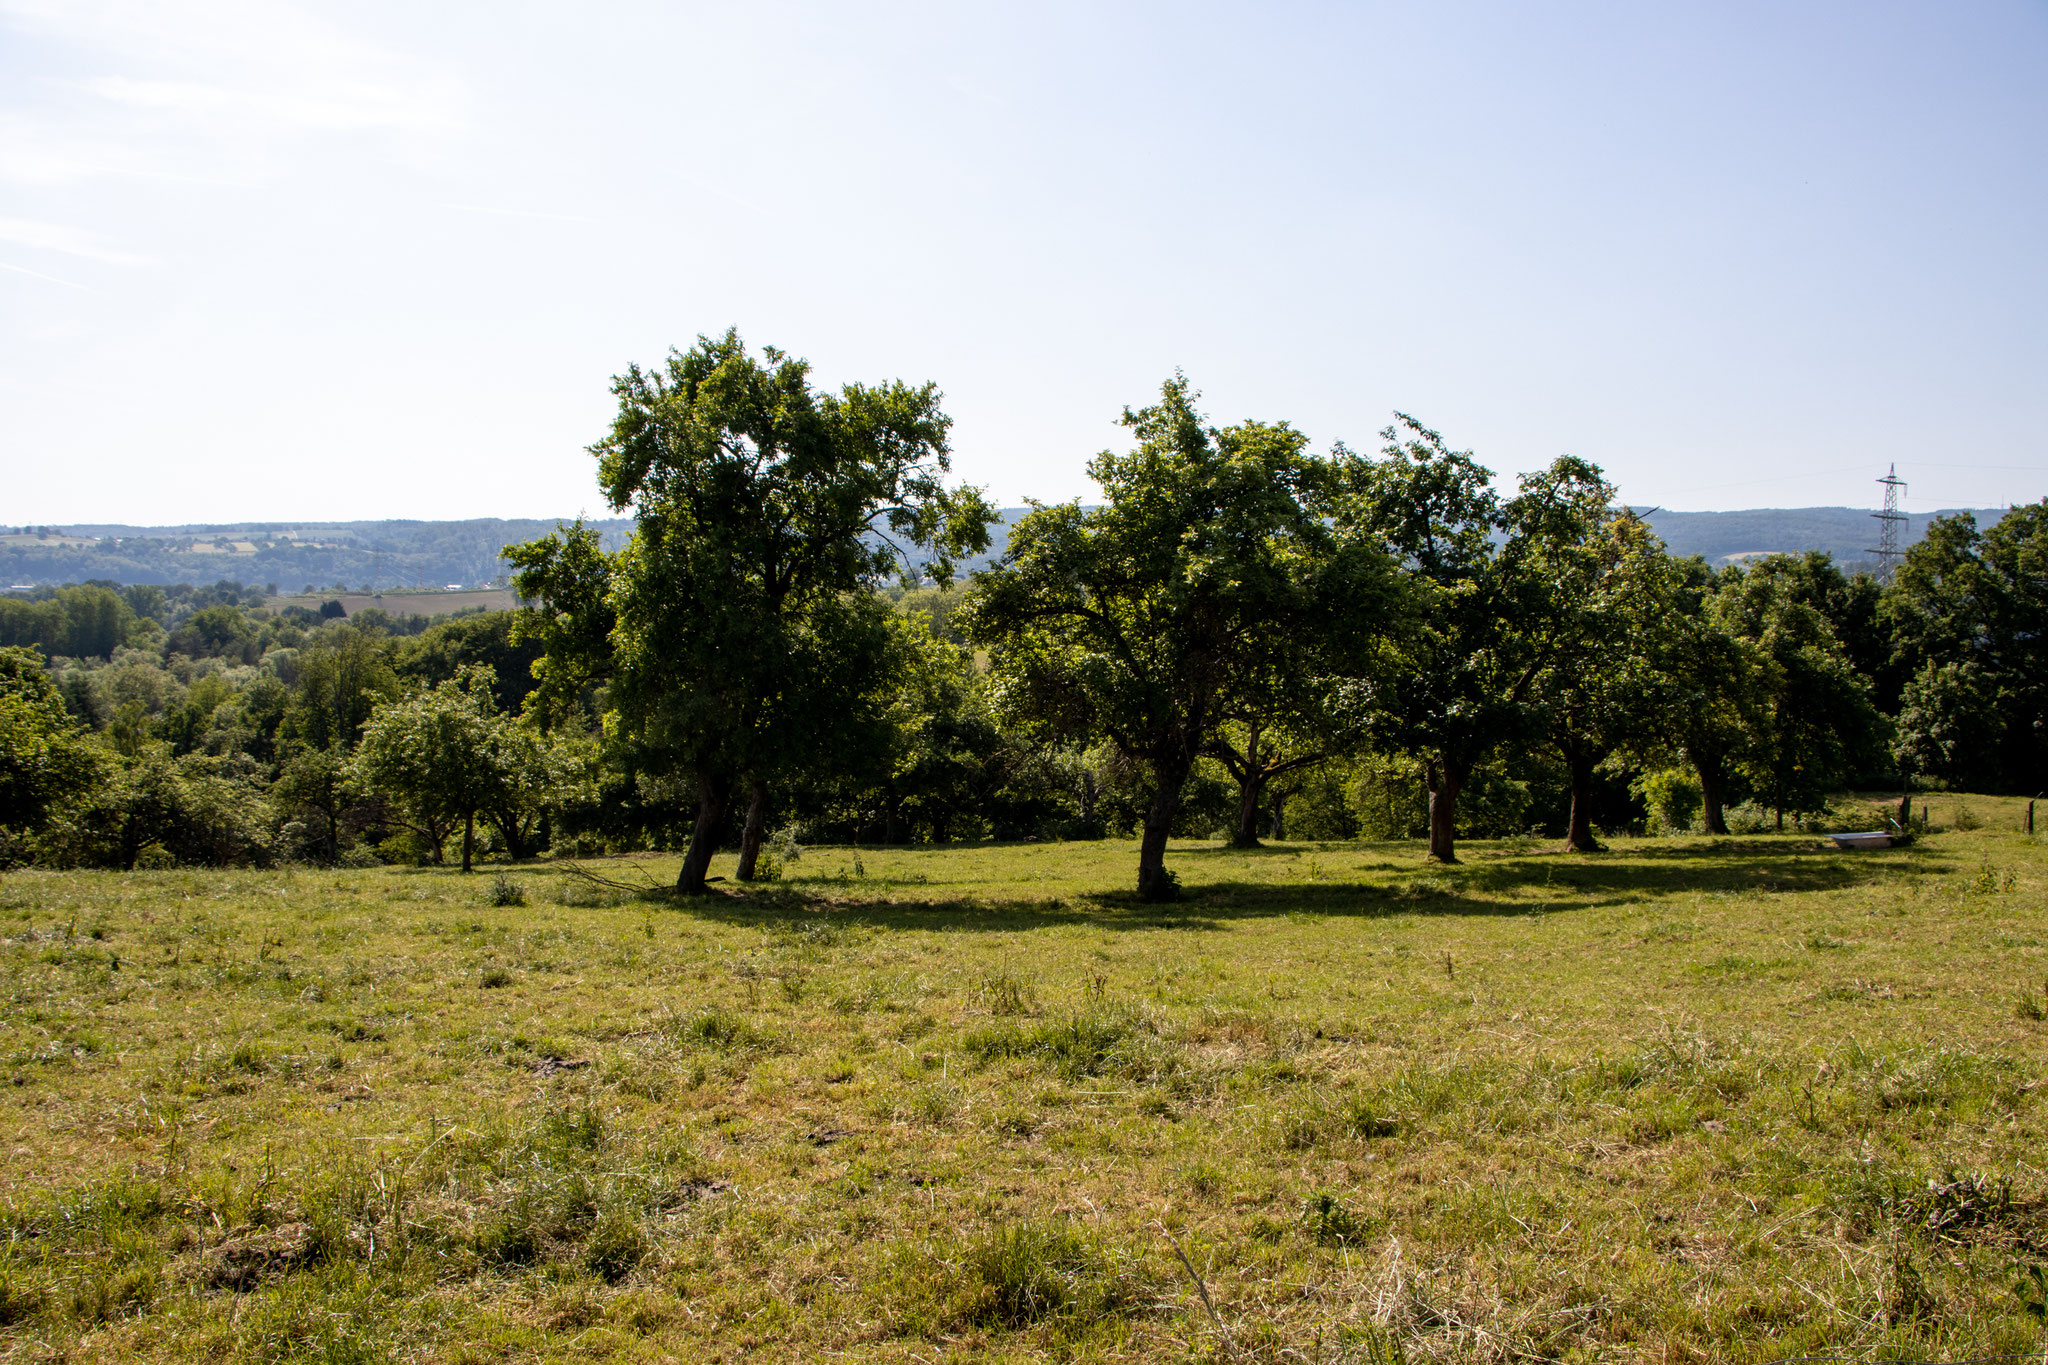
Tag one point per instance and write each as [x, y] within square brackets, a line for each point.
[514, 835]
[1250, 787]
[1278, 828]
[750, 837]
[1711, 818]
[1579, 838]
[1444, 786]
[468, 836]
[712, 794]
[1154, 882]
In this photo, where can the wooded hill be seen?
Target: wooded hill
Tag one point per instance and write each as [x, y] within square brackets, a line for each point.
[319, 556]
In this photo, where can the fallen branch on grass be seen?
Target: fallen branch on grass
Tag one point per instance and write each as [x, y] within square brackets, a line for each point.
[599, 879]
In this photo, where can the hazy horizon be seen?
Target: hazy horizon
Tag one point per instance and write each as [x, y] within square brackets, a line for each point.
[290, 523]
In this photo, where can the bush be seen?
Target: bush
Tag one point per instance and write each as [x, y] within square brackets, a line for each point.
[1673, 798]
[408, 849]
[1748, 818]
[505, 891]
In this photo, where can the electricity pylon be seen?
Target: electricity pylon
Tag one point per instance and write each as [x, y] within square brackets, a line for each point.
[1888, 550]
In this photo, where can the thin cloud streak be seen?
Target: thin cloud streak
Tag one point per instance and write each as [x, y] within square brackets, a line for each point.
[37, 274]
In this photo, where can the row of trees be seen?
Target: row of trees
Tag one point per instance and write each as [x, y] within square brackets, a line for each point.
[1235, 598]
[1242, 628]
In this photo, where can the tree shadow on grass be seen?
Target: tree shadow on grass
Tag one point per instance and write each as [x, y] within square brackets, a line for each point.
[1491, 884]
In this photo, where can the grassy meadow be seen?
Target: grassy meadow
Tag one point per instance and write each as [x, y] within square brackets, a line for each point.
[1690, 1099]
[404, 601]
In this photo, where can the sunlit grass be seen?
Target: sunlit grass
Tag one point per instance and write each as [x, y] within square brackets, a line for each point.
[1690, 1099]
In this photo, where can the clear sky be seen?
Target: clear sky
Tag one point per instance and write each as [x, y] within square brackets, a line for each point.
[278, 260]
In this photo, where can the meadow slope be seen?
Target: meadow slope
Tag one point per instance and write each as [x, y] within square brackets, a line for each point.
[1689, 1099]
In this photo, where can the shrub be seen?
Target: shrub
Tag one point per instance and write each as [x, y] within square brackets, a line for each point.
[408, 848]
[505, 891]
[1748, 818]
[1673, 798]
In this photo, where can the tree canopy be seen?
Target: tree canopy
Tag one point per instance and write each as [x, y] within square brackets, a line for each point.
[760, 503]
[1138, 620]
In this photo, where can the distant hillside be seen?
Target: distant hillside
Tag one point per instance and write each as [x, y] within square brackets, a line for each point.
[295, 556]
[370, 556]
[1847, 533]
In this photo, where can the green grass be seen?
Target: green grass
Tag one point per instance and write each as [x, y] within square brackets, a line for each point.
[1687, 1100]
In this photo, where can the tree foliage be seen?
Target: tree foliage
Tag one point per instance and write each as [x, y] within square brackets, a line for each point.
[1138, 620]
[1496, 592]
[762, 503]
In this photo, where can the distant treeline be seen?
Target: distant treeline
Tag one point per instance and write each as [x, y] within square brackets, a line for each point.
[1242, 640]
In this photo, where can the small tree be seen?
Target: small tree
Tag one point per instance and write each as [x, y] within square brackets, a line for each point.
[444, 755]
[314, 782]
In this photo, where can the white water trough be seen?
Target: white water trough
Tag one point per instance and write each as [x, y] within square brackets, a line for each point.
[1875, 838]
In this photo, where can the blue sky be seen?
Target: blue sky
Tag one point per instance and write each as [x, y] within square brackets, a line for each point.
[277, 260]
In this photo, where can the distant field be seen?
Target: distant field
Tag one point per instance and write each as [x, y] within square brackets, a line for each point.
[1689, 1100]
[404, 603]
